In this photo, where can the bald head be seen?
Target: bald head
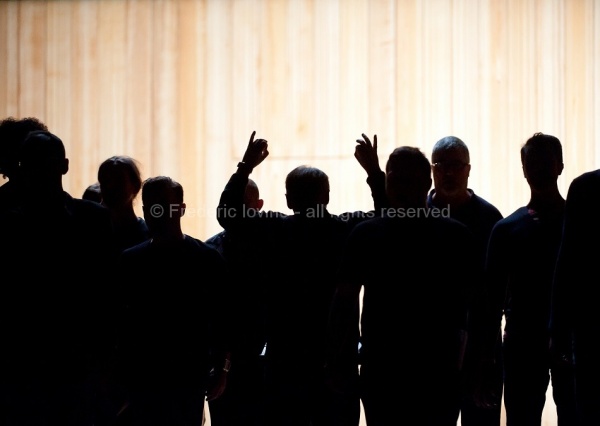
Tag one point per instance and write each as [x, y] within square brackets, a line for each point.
[252, 198]
[450, 144]
[451, 168]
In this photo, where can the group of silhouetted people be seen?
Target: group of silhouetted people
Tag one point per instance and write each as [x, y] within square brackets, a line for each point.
[426, 306]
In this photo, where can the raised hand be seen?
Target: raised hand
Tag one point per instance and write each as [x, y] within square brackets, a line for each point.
[256, 151]
[366, 154]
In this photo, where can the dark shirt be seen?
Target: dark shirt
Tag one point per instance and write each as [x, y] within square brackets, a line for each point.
[574, 298]
[217, 241]
[53, 309]
[131, 234]
[520, 266]
[243, 257]
[173, 319]
[300, 257]
[415, 297]
[478, 214]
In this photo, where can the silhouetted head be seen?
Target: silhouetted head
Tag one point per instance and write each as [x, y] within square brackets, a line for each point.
[542, 160]
[408, 177]
[306, 188]
[163, 205]
[252, 198]
[13, 132]
[93, 193]
[451, 167]
[42, 161]
[120, 181]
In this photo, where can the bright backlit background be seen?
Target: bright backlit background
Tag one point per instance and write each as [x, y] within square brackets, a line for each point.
[181, 84]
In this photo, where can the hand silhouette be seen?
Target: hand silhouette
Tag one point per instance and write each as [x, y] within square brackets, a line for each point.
[256, 151]
[366, 154]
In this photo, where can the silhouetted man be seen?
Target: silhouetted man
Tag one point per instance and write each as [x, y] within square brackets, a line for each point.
[451, 166]
[414, 307]
[174, 323]
[56, 338]
[242, 403]
[520, 265]
[574, 321]
[299, 260]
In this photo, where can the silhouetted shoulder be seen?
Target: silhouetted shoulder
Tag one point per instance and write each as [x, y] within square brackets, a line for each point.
[88, 207]
[188, 245]
[215, 239]
[418, 228]
[451, 223]
[136, 249]
[90, 214]
[512, 219]
[588, 177]
[586, 186]
[203, 247]
[486, 206]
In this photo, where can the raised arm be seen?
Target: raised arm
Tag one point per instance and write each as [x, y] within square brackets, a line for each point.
[231, 204]
[366, 155]
[256, 151]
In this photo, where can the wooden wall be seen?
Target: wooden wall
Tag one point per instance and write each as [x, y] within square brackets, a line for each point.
[181, 84]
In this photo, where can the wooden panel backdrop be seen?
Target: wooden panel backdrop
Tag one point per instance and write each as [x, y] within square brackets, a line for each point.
[180, 85]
